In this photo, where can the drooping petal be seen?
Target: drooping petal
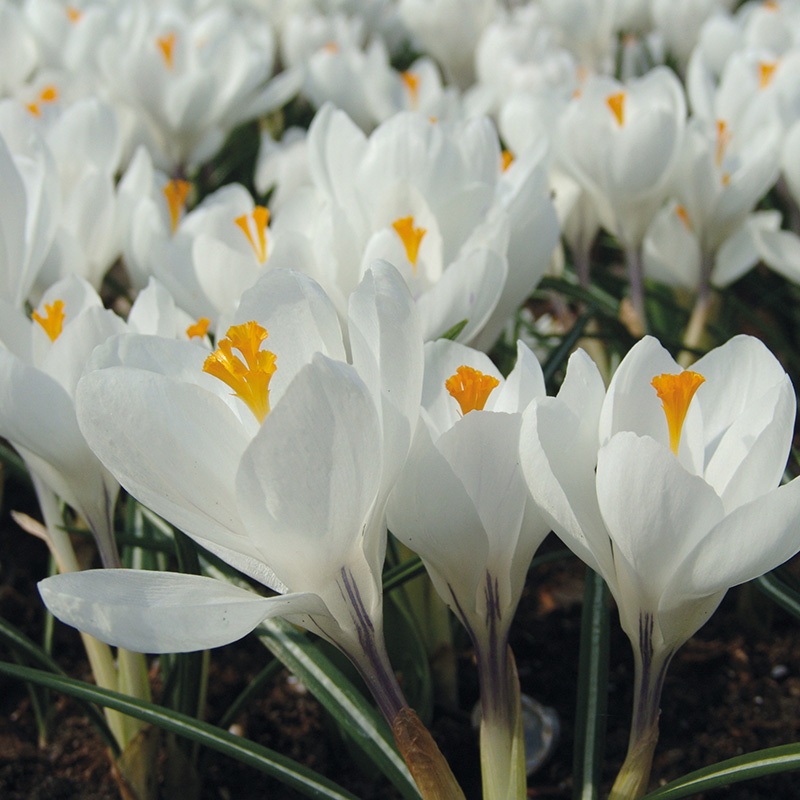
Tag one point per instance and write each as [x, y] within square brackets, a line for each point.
[163, 612]
[523, 383]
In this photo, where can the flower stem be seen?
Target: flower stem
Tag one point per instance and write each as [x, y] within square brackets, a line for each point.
[633, 260]
[651, 667]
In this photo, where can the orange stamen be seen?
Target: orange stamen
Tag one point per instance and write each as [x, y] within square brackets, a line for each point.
[73, 14]
[176, 191]
[53, 321]
[411, 80]
[616, 102]
[506, 158]
[260, 217]
[470, 388]
[723, 139]
[199, 329]
[684, 216]
[410, 236]
[676, 392]
[166, 44]
[766, 70]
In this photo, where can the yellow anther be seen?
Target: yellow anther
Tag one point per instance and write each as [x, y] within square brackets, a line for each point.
[410, 236]
[726, 178]
[676, 392]
[616, 102]
[258, 242]
[48, 95]
[506, 157]
[166, 44]
[73, 14]
[470, 388]
[249, 379]
[199, 329]
[766, 70]
[770, 5]
[331, 47]
[53, 320]
[176, 191]
[411, 80]
[684, 216]
[723, 139]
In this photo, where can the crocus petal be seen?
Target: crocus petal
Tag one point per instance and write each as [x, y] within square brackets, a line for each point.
[523, 383]
[307, 481]
[750, 541]
[163, 612]
[655, 511]
[172, 445]
[300, 321]
[442, 526]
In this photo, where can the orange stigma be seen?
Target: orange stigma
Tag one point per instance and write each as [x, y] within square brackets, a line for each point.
[676, 392]
[176, 191]
[260, 217]
[249, 379]
[470, 388]
[199, 329]
[53, 320]
[410, 236]
[616, 102]
[166, 44]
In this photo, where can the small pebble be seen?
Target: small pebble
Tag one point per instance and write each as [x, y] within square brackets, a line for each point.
[779, 671]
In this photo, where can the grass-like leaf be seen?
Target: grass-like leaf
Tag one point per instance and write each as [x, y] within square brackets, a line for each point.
[23, 647]
[590, 723]
[779, 591]
[341, 699]
[287, 771]
[734, 770]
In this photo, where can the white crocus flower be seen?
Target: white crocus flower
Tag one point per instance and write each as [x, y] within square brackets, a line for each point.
[192, 79]
[621, 142]
[667, 486]
[41, 361]
[29, 198]
[462, 504]
[430, 198]
[449, 30]
[19, 53]
[207, 257]
[286, 478]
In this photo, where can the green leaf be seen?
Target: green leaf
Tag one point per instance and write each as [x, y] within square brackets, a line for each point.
[452, 333]
[734, 770]
[287, 771]
[406, 571]
[22, 645]
[779, 591]
[590, 723]
[340, 698]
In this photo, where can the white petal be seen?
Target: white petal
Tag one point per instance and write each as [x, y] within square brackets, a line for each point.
[310, 476]
[162, 612]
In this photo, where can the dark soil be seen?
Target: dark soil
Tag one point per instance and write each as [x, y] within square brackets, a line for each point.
[734, 688]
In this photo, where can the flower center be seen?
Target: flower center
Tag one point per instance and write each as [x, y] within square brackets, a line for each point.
[48, 95]
[683, 215]
[176, 191]
[199, 329]
[260, 217]
[249, 379]
[73, 14]
[411, 80]
[506, 157]
[166, 44]
[616, 102]
[470, 388]
[676, 392]
[53, 320]
[410, 236]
